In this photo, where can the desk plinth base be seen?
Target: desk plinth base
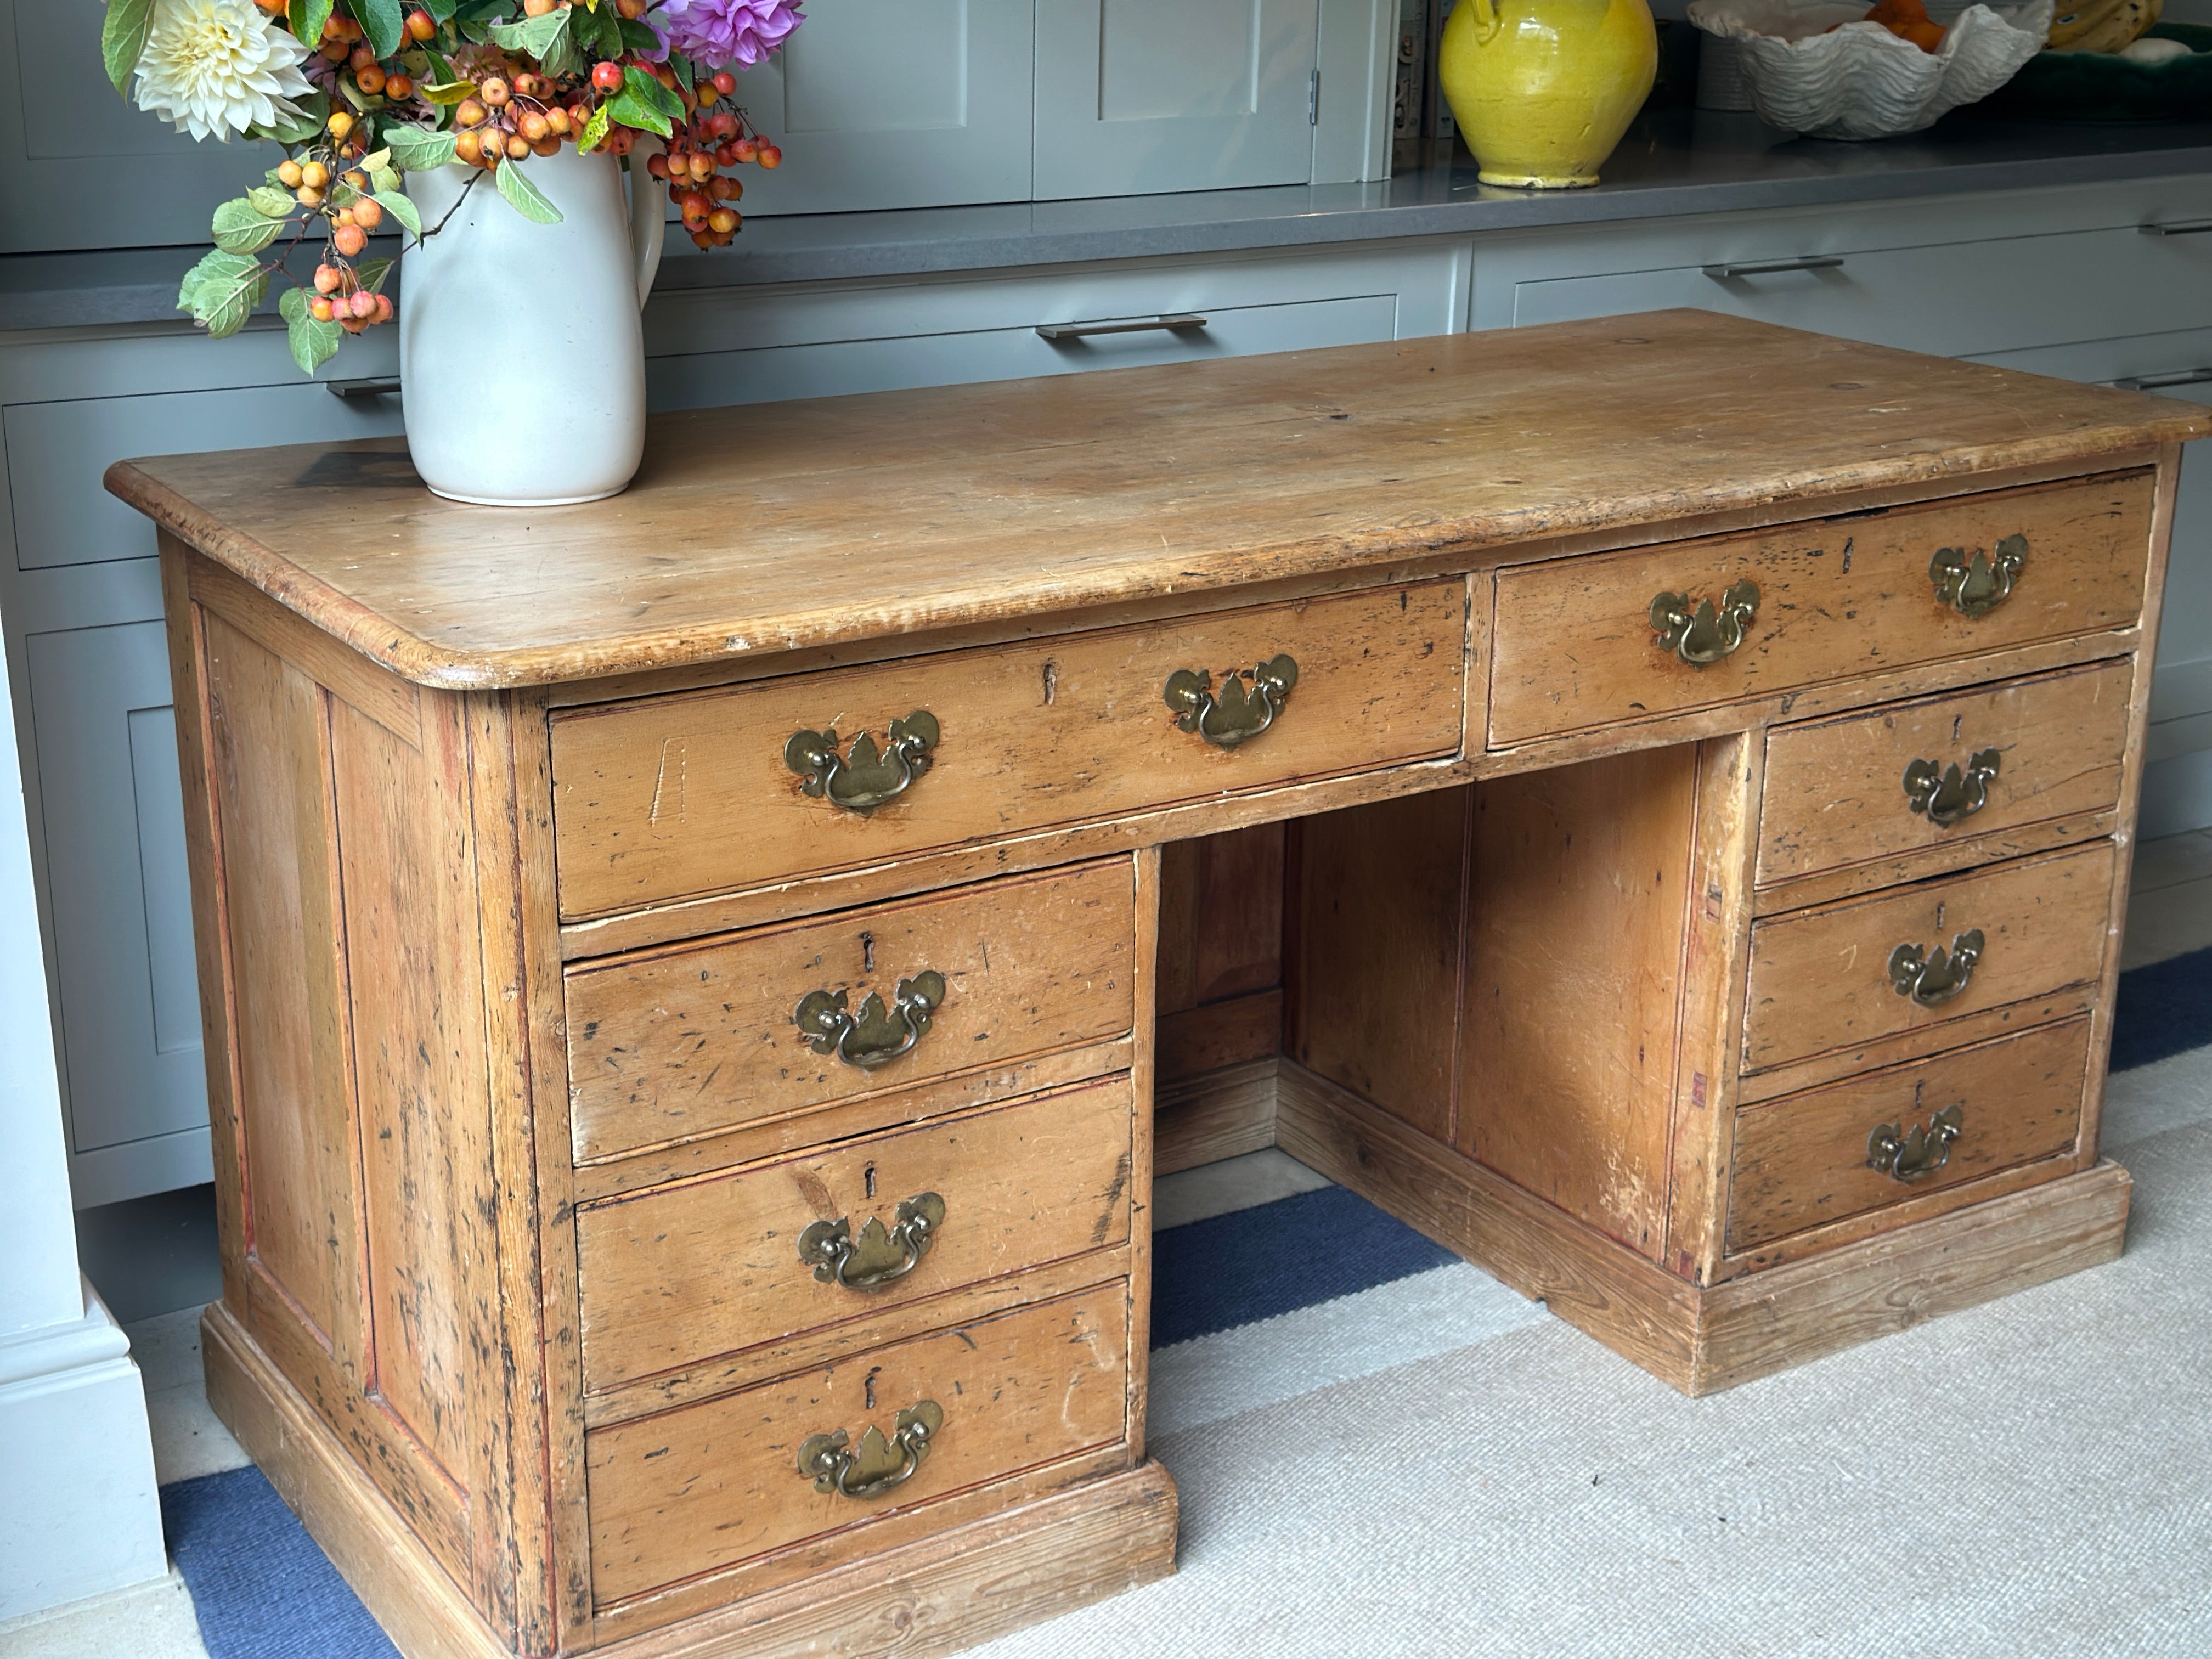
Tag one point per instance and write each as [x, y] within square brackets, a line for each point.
[936, 1596]
[1703, 1341]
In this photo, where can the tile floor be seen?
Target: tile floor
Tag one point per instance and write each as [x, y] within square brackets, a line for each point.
[2169, 913]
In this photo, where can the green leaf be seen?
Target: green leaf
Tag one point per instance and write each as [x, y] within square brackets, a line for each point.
[649, 91]
[635, 37]
[272, 200]
[376, 160]
[241, 228]
[123, 39]
[526, 198]
[595, 132]
[307, 18]
[370, 273]
[598, 31]
[222, 291]
[534, 35]
[416, 149]
[402, 208]
[450, 92]
[383, 22]
[631, 113]
[314, 344]
[441, 11]
[385, 178]
[680, 67]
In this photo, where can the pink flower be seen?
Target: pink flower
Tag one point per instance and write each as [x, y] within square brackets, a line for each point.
[723, 33]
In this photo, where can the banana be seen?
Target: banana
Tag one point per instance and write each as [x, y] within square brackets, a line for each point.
[2102, 25]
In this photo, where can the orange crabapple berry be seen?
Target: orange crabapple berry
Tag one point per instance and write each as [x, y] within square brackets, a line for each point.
[723, 219]
[537, 7]
[368, 213]
[307, 196]
[327, 279]
[348, 240]
[556, 119]
[399, 86]
[320, 307]
[420, 26]
[314, 175]
[517, 146]
[371, 80]
[745, 149]
[360, 57]
[532, 125]
[770, 157]
[494, 91]
[607, 77]
[468, 147]
[383, 309]
[469, 114]
[288, 174]
[725, 82]
[362, 303]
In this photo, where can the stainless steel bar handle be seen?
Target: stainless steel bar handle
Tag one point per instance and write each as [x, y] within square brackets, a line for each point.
[2179, 228]
[1774, 267]
[2161, 382]
[1173, 322]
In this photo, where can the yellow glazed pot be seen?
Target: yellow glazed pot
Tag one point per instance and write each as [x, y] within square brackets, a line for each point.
[1542, 89]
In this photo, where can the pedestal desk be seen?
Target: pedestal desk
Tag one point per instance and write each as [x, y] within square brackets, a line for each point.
[680, 973]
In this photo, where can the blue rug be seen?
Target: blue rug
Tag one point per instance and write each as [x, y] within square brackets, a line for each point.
[263, 1590]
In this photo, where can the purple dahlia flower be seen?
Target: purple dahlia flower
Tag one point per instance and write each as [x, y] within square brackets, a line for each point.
[724, 34]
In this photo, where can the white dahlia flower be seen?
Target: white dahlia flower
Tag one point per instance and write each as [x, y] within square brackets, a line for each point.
[214, 67]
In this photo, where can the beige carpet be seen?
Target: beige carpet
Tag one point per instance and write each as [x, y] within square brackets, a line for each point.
[2030, 1478]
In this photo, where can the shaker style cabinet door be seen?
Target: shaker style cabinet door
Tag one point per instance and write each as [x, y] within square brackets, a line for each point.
[121, 910]
[1137, 97]
[80, 167]
[895, 104]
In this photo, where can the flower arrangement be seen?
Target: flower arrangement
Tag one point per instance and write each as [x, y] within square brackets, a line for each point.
[361, 92]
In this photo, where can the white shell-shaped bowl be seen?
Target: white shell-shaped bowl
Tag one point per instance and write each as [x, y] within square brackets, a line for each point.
[1862, 81]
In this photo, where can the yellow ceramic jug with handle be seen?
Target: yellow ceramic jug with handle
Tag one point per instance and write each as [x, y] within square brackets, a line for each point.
[1542, 89]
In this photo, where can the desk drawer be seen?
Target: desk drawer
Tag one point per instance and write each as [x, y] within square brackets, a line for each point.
[678, 1044]
[1804, 1160]
[673, 797]
[1828, 978]
[688, 1272]
[1576, 645]
[710, 1485]
[1838, 792]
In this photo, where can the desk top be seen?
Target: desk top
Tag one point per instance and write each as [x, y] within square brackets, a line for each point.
[774, 527]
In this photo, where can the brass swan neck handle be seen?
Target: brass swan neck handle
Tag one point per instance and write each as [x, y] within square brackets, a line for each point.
[866, 777]
[1230, 715]
[876, 1035]
[1704, 633]
[1946, 795]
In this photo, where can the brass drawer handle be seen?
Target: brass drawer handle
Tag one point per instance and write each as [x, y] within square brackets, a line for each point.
[1945, 794]
[880, 1256]
[1973, 585]
[1703, 635]
[1930, 980]
[1907, 1156]
[876, 1035]
[833, 1464]
[1234, 715]
[865, 778]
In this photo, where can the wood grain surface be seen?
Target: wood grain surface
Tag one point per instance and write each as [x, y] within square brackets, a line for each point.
[667, 798]
[1835, 792]
[772, 526]
[713, 1484]
[1801, 1161]
[680, 1044]
[1574, 646]
[1820, 978]
[686, 1273]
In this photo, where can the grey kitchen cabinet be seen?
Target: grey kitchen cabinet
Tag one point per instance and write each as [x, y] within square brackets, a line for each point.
[802, 342]
[82, 168]
[80, 595]
[880, 104]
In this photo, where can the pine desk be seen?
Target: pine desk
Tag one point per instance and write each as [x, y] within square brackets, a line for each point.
[680, 974]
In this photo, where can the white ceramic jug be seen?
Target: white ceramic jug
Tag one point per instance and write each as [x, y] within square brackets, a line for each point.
[521, 359]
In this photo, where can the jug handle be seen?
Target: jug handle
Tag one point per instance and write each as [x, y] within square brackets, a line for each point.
[1485, 17]
[649, 219]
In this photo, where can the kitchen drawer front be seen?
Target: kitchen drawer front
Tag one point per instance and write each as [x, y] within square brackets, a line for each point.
[1825, 978]
[1575, 645]
[1808, 1159]
[689, 1272]
[1947, 298]
[710, 1485]
[675, 797]
[675, 1044]
[1839, 792]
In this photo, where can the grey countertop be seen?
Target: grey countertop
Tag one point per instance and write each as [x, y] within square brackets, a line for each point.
[1674, 162]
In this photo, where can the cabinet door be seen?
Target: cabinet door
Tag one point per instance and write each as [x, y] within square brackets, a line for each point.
[1136, 97]
[120, 908]
[81, 168]
[895, 104]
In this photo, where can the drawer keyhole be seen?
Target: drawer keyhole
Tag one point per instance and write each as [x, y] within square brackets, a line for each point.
[868, 1181]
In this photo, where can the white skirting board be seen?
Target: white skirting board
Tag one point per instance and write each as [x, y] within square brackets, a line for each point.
[2177, 795]
[78, 1513]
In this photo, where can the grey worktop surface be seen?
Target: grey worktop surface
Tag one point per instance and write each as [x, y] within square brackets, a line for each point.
[1674, 162]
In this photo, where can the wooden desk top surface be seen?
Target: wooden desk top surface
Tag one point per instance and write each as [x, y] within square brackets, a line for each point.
[778, 525]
